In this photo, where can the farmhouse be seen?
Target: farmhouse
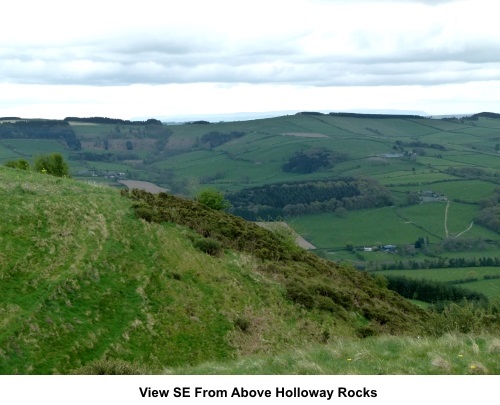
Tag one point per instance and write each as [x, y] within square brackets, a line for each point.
[431, 196]
[390, 155]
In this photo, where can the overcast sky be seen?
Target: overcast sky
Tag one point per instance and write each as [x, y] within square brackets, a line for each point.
[159, 58]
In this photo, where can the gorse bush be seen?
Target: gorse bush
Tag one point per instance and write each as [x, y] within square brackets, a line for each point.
[208, 245]
[308, 281]
[321, 285]
[465, 317]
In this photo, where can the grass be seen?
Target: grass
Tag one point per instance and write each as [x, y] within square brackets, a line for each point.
[468, 190]
[86, 285]
[373, 227]
[490, 288]
[32, 147]
[94, 282]
[448, 355]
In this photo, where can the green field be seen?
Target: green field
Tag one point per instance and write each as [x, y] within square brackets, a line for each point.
[489, 287]
[7, 153]
[372, 227]
[462, 189]
[384, 226]
[32, 147]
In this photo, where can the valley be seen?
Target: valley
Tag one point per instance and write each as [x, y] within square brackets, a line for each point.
[135, 281]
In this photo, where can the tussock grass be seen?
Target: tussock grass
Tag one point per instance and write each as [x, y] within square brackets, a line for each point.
[449, 354]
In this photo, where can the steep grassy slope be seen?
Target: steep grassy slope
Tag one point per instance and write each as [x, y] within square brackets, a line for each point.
[83, 279]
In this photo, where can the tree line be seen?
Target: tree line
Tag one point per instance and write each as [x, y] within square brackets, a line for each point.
[216, 138]
[361, 115]
[312, 160]
[437, 263]
[40, 129]
[489, 215]
[104, 157]
[418, 144]
[106, 120]
[280, 200]
[431, 291]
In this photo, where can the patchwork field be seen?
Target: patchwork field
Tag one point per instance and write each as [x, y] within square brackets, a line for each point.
[96, 279]
[456, 158]
[489, 286]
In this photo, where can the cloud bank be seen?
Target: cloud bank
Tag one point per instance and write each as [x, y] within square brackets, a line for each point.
[317, 43]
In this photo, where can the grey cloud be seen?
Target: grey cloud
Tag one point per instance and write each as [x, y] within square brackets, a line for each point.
[318, 73]
[426, 58]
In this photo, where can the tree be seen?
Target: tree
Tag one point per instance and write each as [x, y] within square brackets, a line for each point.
[52, 164]
[213, 199]
[18, 164]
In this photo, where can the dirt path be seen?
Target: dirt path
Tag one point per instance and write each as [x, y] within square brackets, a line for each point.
[446, 220]
[143, 185]
[446, 223]
[298, 239]
[468, 229]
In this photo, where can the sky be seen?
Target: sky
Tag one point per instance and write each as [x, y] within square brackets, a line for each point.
[163, 58]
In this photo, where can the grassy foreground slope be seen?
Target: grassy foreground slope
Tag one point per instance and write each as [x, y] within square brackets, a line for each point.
[83, 279]
[457, 354]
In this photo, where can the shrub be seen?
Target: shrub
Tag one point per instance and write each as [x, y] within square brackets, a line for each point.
[52, 164]
[465, 317]
[208, 245]
[213, 199]
[18, 164]
[366, 331]
[299, 293]
[145, 213]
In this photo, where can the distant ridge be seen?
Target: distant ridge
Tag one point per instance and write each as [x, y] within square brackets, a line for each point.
[363, 115]
[247, 116]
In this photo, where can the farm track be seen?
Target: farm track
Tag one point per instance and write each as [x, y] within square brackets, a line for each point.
[468, 229]
[446, 223]
[446, 219]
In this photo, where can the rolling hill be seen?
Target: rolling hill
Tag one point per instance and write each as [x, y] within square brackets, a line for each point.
[85, 278]
[435, 172]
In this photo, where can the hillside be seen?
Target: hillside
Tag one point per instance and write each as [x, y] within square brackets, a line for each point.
[85, 279]
[350, 184]
[409, 159]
